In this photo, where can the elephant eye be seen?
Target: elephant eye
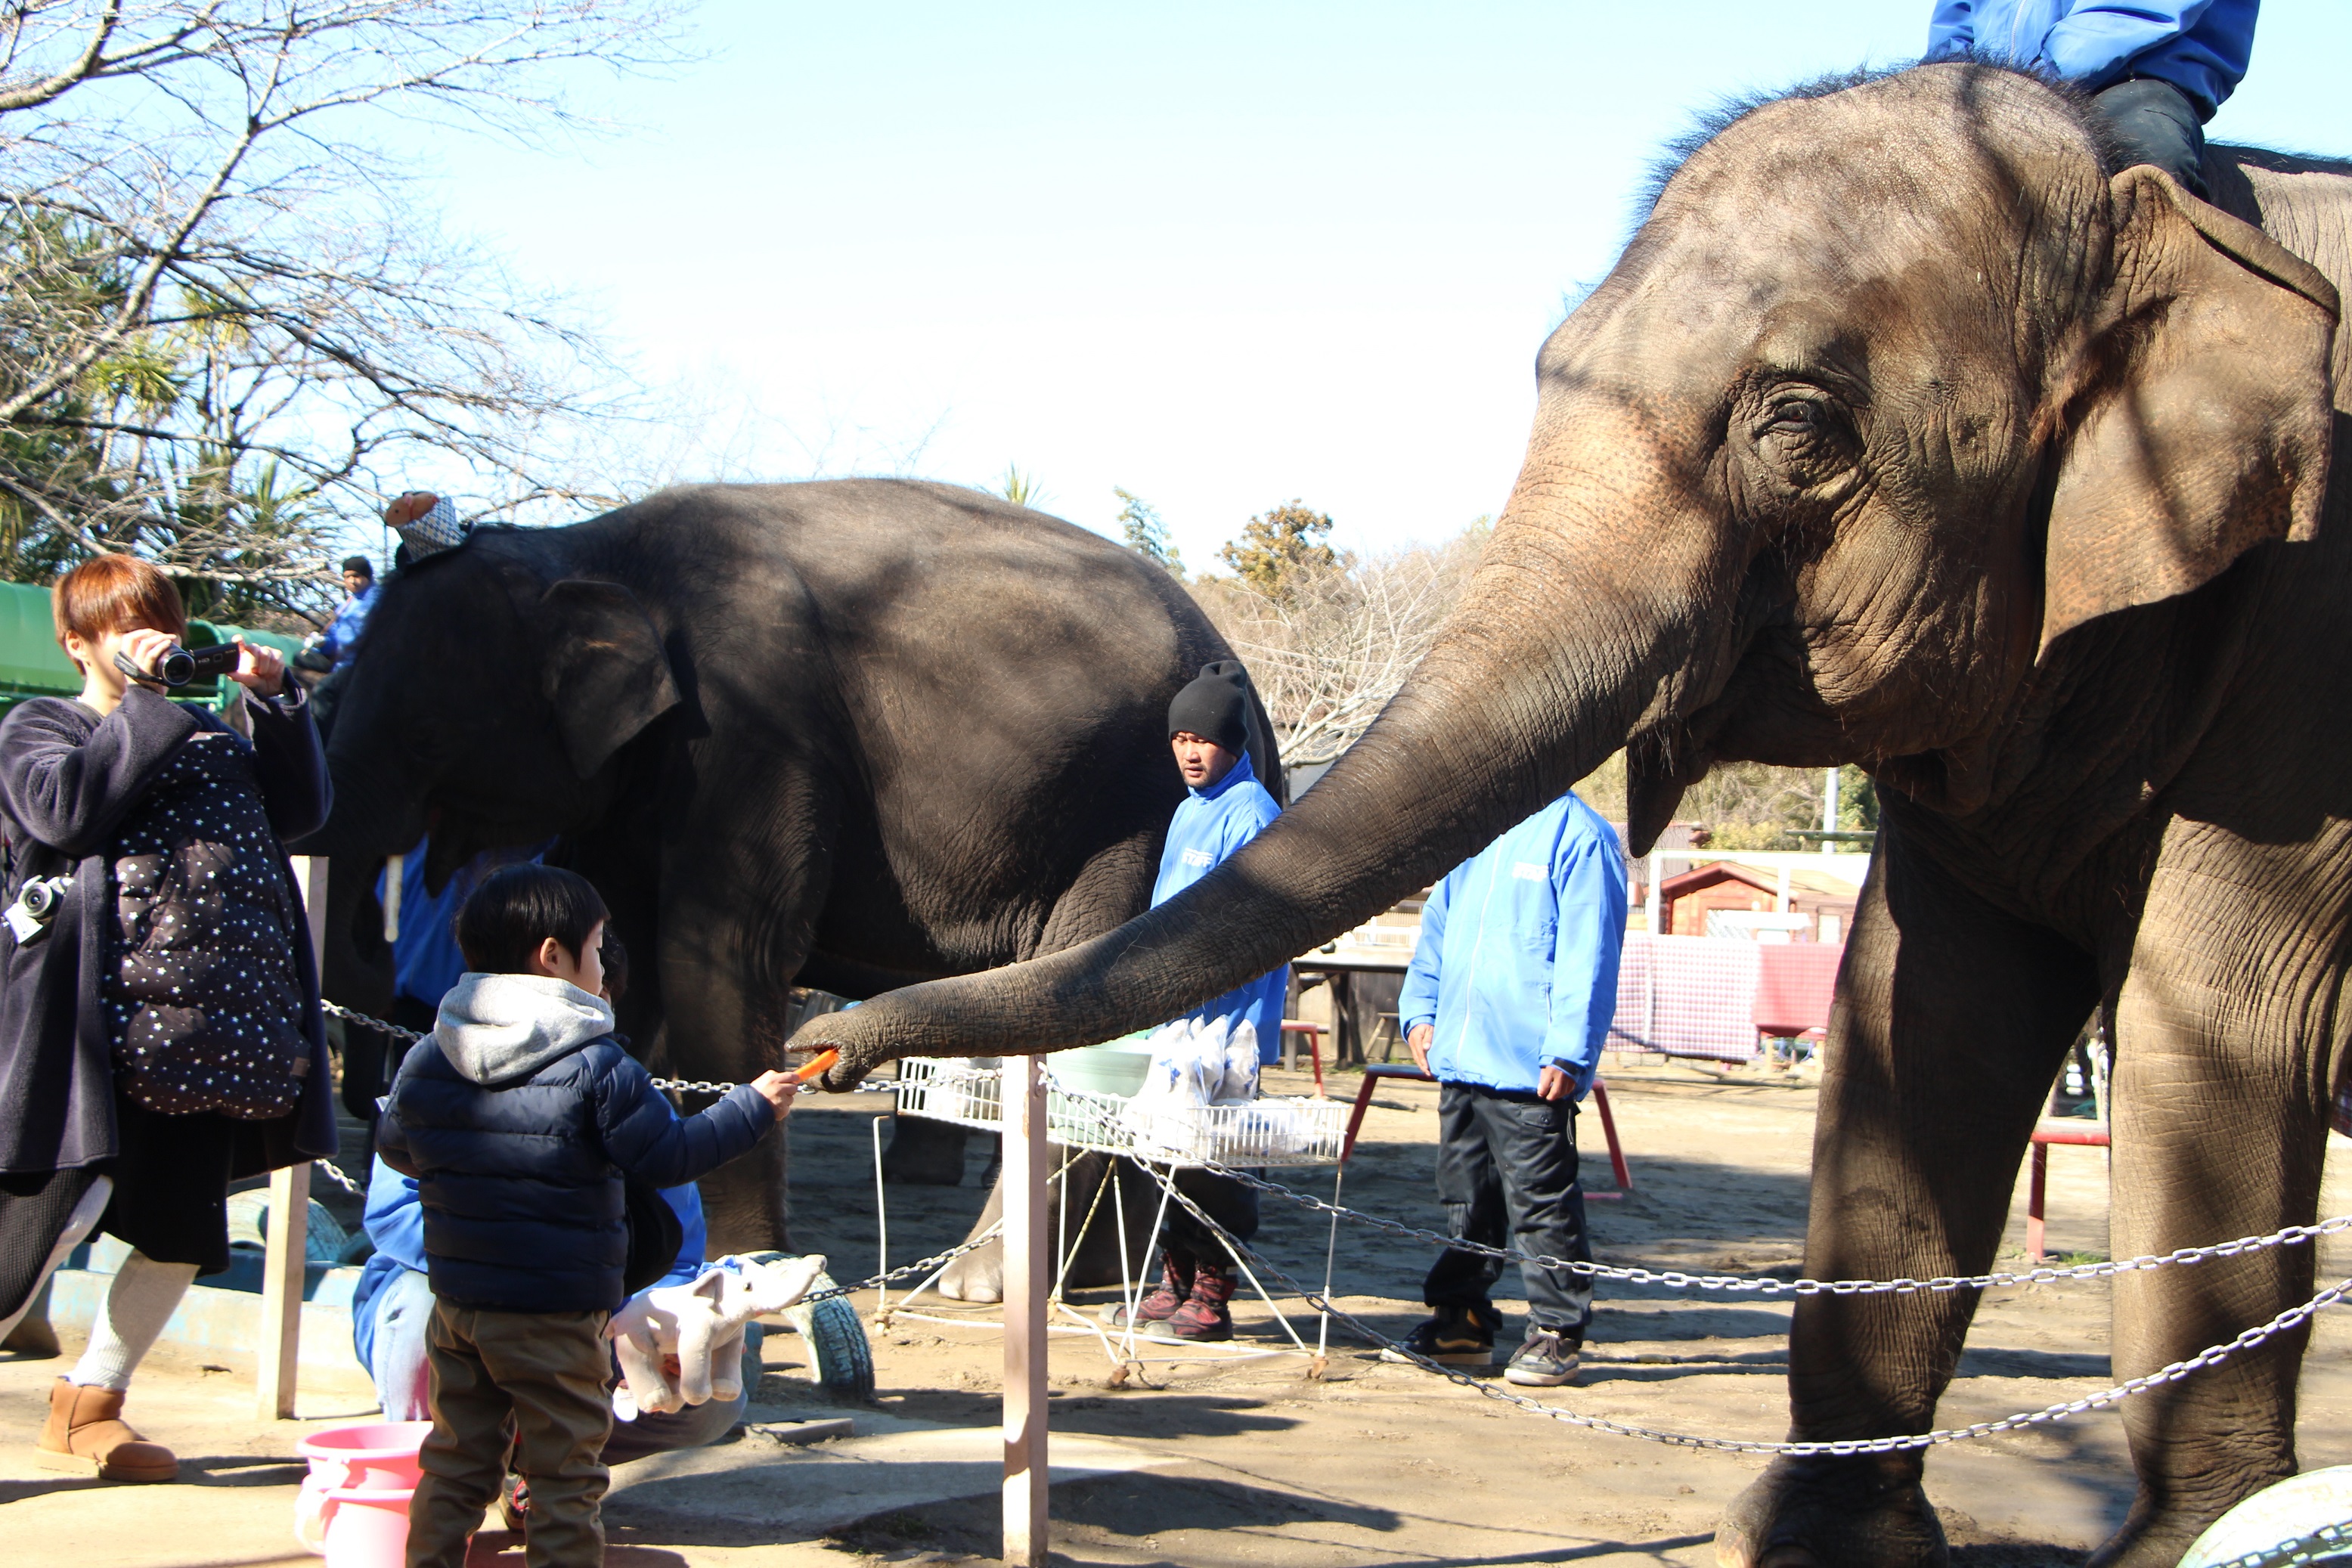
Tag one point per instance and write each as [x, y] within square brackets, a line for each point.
[1795, 416]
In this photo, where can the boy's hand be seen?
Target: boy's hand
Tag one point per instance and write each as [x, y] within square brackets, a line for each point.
[777, 1089]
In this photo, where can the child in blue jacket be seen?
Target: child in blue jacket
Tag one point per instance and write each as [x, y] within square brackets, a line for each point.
[517, 1117]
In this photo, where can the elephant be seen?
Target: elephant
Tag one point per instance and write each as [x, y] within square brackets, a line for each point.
[845, 735]
[1909, 431]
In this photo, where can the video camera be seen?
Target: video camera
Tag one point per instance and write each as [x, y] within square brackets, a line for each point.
[179, 666]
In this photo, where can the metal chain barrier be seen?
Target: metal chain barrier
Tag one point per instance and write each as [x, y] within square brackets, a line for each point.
[1764, 1285]
[1760, 1285]
[680, 1085]
[921, 1265]
[2212, 1355]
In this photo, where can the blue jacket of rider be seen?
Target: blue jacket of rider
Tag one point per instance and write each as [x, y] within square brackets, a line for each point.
[2200, 47]
[1209, 826]
[1517, 965]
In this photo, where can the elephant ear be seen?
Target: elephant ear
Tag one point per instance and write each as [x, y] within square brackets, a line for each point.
[2204, 427]
[606, 675]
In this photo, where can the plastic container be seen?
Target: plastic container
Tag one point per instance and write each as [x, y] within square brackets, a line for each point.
[367, 1527]
[378, 1456]
[1115, 1067]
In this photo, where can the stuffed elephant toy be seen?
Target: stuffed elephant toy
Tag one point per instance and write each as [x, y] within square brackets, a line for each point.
[702, 1325]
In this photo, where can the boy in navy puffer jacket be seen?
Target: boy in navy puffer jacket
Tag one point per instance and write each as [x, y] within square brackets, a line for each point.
[517, 1116]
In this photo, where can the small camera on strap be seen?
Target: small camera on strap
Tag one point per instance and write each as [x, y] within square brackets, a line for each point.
[35, 906]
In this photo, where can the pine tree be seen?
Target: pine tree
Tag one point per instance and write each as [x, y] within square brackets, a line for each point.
[1147, 532]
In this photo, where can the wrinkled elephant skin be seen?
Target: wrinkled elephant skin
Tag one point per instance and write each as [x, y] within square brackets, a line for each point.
[1907, 433]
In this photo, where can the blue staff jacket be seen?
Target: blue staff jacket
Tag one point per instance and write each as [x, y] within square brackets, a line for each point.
[342, 634]
[394, 1222]
[1207, 829]
[1517, 965]
[2200, 47]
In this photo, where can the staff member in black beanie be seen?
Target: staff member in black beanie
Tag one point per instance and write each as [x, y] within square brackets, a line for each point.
[1208, 729]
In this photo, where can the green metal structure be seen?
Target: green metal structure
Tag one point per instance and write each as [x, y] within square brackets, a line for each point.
[33, 665]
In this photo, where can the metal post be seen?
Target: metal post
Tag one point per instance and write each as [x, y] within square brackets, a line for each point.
[1028, 1263]
[1829, 804]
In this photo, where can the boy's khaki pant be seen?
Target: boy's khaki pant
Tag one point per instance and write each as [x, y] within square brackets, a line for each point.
[549, 1371]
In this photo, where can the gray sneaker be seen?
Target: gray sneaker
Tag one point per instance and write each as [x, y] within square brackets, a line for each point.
[1544, 1360]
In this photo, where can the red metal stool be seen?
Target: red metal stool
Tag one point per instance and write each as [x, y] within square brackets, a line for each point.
[1314, 1033]
[2037, 1186]
[1376, 1072]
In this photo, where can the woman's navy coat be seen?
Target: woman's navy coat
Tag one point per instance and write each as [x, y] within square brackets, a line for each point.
[68, 779]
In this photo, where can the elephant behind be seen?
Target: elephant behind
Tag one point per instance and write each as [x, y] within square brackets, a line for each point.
[1911, 431]
[848, 735]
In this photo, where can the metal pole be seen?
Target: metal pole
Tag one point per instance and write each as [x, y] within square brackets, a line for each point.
[1028, 1264]
[1829, 804]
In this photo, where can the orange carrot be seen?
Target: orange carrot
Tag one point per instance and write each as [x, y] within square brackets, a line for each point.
[816, 1064]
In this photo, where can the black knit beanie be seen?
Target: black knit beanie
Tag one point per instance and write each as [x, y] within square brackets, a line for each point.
[1215, 706]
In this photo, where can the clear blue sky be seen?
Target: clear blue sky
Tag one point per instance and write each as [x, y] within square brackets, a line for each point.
[1223, 255]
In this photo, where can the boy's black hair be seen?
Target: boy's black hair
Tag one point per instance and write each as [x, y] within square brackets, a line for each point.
[517, 907]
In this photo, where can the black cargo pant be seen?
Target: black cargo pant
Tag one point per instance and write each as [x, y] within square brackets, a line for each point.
[1506, 1175]
[1223, 1199]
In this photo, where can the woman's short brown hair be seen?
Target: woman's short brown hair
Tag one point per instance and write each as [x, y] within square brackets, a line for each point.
[117, 593]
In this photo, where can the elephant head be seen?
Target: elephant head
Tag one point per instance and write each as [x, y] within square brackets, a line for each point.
[494, 686]
[1897, 385]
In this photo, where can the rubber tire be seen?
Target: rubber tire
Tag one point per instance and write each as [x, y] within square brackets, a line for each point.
[840, 1358]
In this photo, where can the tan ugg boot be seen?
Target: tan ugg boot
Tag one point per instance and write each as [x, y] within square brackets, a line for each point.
[86, 1431]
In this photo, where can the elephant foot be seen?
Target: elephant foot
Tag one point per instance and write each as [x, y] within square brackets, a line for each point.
[1833, 1513]
[977, 1276]
[2158, 1536]
[924, 1154]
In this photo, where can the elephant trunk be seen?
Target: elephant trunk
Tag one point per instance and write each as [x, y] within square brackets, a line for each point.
[1580, 626]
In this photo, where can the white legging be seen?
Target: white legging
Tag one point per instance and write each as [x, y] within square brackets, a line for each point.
[138, 1304]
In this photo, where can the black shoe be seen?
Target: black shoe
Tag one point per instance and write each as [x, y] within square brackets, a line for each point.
[1455, 1336]
[1545, 1360]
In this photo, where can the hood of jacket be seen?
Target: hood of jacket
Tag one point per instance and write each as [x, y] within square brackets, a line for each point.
[496, 1028]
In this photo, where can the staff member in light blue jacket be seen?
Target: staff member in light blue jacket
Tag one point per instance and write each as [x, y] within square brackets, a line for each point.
[1225, 807]
[2155, 69]
[1507, 1004]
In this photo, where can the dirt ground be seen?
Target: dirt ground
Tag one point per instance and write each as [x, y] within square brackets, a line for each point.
[1249, 1461]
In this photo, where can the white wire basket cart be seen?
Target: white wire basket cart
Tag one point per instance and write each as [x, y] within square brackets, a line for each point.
[1162, 1139]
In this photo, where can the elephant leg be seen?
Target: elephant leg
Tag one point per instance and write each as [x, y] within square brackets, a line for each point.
[1951, 1020]
[738, 920]
[1114, 886]
[2225, 1044]
[924, 1152]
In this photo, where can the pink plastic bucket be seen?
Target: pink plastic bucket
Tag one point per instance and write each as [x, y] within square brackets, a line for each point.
[367, 1527]
[378, 1456]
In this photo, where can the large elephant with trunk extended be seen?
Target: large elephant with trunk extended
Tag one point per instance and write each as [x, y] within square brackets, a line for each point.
[848, 735]
[1909, 431]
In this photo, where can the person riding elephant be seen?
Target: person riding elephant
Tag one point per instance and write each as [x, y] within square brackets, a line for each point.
[1911, 429]
[839, 735]
[160, 1030]
[2156, 70]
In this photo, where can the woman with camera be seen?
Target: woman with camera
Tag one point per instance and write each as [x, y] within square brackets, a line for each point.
[159, 1032]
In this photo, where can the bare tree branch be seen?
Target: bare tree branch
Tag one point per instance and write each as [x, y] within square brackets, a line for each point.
[212, 262]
